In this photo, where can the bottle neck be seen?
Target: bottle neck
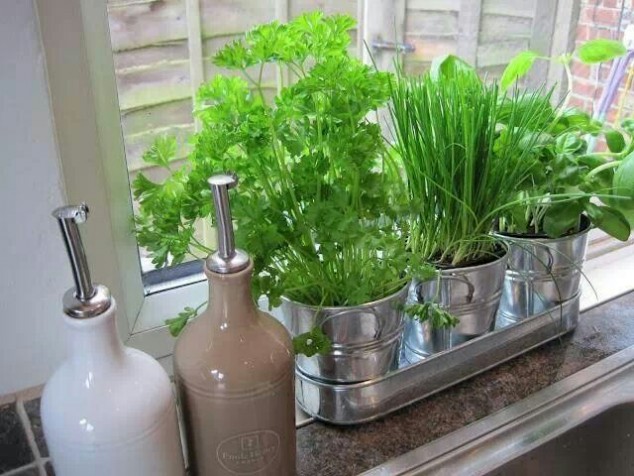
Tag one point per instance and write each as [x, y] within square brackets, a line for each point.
[95, 342]
[230, 300]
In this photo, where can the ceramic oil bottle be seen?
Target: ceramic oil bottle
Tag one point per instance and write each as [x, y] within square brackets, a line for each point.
[234, 369]
[108, 410]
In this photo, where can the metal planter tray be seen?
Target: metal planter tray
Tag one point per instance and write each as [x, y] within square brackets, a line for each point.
[346, 404]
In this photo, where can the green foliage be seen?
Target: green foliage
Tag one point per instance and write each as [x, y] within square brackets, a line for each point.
[449, 66]
[610, 220]
[591, 52]
[629, 215]
[466, 148]
[561, 218]
[311, 343]
[517, 68]
[178, 323]
[160, 227]
[623, 183]
[628, 126]
[568, 181]
[599, 50]
[320, 200]
[614, 140]
[161, 153]
[430, 311]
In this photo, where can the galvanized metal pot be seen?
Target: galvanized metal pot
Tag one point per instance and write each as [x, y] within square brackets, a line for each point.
[365, 339]
[542, 272]
[471, 294]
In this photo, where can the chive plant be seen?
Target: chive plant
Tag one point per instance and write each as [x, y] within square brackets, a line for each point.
[466, 148]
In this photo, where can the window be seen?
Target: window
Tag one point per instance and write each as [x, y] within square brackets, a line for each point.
[141, 61]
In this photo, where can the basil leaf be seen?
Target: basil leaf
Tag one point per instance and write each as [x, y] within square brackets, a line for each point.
[596, 51]
[573, 118]
[569, 143]
[562, 218]
[629, 215]
[615, 141]
[623, 182]
[517, 68]
[448, 66]
[610, 220]
[590, 160]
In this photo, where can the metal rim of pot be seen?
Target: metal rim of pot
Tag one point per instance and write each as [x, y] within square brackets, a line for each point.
[443, 271]
[365, 338]
[478, 313]
[586, 226]
[354, 308]
[543, 272]
[376, 302]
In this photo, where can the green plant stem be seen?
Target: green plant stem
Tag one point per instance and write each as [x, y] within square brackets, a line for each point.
[601, 168]
[569, 82]
[201, 246]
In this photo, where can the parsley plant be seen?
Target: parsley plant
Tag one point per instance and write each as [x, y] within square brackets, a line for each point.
[320, 202]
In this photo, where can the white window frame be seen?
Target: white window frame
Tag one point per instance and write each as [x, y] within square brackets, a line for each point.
[83, 92]
[83, 95]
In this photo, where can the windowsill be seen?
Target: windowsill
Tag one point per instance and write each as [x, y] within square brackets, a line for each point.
[150, 333]
[606, 276]
[610, 275]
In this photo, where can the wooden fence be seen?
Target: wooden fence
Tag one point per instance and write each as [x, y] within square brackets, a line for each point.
[163, 48]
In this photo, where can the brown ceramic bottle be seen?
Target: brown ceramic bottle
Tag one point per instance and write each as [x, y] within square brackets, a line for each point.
[234, 369]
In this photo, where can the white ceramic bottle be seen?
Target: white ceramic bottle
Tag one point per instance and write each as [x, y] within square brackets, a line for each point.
[109, 409]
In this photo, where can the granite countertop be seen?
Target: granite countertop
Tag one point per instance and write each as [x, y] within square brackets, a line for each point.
[328, 450]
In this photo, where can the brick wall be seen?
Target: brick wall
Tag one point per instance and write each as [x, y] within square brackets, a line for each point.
[600, 19]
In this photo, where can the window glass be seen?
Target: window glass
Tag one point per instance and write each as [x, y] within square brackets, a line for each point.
[159, 67]
[163, 49]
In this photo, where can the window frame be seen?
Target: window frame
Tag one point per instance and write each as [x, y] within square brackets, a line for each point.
[84, 100]
[81, 88]
[85, 107]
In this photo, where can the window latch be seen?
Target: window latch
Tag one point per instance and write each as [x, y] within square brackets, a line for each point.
[378, 45]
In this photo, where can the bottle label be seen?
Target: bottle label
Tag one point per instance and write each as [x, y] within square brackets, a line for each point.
[248, 453]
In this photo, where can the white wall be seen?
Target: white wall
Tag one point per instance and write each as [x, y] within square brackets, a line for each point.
[33, 268]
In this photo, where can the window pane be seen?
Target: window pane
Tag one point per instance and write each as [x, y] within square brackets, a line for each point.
[158, 68]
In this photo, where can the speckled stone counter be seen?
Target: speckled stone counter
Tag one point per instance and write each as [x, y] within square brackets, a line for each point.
[326, 450]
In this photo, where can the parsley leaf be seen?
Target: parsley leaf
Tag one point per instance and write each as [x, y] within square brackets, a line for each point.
[321, 204]
[311, 343]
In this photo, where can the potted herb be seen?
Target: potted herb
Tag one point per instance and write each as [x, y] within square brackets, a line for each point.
[320, 206]
[462, 165]
[570, 190]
